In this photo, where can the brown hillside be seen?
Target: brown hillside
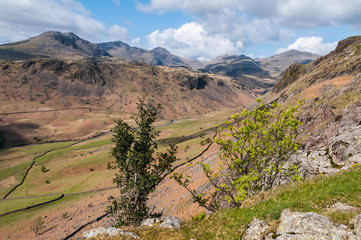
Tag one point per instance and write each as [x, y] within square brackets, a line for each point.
[50, 84]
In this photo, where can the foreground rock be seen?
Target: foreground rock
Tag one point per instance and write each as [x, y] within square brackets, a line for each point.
[303, 226]
[111, 231]
[296, 225]
[150, 222]
[256, 231]
[170, 222]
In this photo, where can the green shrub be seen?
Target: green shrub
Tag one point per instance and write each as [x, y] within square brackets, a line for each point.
[199, 217]
[43, 169]
[255, 146]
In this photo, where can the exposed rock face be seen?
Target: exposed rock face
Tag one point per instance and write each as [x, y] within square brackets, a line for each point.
[296, 225]
[170, 222]
[256, 230]
[342, 152]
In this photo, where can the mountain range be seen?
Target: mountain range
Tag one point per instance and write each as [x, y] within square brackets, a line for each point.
[257, 75]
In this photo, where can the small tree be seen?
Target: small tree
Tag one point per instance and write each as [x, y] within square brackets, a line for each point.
[37, 226]
[139, 170]
[255, 147]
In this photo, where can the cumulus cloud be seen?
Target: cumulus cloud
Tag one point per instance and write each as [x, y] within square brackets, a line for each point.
[118, 32]
[310, 44]
[305, 13]
[191, 6]
[21, 19]
[192, 41]
[263, 21]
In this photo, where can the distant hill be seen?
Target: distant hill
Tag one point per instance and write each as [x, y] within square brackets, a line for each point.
[242, 69]
[52, 45]
[276, 64]
[234, 65]
[157, 56]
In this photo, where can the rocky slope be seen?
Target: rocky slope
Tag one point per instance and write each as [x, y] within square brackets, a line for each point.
[331, 114]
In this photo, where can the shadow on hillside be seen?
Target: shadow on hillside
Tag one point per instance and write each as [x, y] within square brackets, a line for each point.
[14, 134]
[177, 140]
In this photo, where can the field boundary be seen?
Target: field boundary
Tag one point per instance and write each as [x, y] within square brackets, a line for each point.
[32, 164]
[33, 206]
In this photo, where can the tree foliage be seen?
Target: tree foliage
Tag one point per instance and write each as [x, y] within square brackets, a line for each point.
[140, 169]
[254, 150]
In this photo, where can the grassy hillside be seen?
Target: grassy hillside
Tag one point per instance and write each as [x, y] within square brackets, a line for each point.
[314, 195]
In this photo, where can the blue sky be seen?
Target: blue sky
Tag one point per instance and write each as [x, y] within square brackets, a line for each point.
[197, 29]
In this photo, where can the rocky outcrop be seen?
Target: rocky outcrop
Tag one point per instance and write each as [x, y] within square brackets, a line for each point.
[111, 231]
[303, 226]
[170, 222]
[256, 230]
[296, 225]
[150, 222]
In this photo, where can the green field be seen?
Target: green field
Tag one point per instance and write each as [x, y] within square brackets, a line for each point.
[78, 167]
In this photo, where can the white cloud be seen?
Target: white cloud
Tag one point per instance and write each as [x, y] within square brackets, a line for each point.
[21, 19]
[263, 21]
[305, 13]
[192, 6]
[310, 44]
[118, 33]
[191, 40]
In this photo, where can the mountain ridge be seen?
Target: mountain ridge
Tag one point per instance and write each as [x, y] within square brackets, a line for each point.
[54, 44]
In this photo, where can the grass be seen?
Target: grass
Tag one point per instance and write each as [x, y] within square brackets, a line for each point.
[12, 205]
[24, 216]
[314, 195]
